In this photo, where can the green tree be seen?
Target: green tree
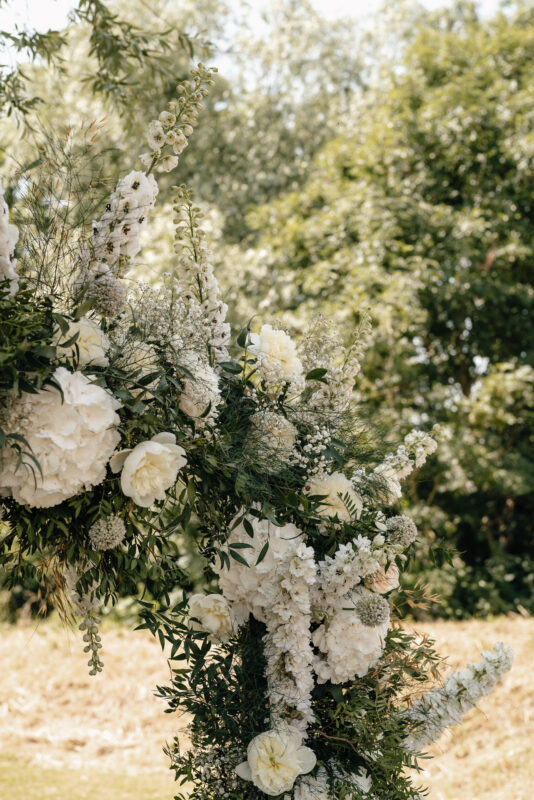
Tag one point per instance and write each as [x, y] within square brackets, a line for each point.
[425, 213]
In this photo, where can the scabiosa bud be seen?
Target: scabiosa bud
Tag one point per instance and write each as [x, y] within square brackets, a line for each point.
[372, 609]
[401, 531]
[107, 533]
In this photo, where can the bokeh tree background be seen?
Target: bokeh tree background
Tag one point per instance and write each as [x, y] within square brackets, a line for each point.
[344, 166]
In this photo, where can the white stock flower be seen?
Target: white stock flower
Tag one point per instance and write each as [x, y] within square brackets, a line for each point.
[150, 468]
[336, 488]
[275, 759]
[212, 613]
[92, 343]
[276, 352]
[72, 440]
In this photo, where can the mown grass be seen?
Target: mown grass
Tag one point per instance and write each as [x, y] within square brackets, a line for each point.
[19, 781]
[66, 736]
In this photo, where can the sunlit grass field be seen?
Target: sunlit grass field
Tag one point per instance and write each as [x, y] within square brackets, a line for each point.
[66, 736]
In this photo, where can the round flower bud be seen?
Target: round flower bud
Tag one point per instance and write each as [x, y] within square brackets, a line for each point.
[107, 533]
[108, 295]
[401, 531]
[372, 609]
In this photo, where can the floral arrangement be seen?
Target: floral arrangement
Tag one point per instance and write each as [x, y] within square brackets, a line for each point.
[132, 422]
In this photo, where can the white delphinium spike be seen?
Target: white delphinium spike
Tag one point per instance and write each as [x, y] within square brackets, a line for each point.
[446, 705]
[195, 274]
[9, 235]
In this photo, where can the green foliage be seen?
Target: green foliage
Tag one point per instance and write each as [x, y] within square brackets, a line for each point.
[425, 214]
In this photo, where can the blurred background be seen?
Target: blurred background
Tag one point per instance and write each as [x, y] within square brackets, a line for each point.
[352, 154]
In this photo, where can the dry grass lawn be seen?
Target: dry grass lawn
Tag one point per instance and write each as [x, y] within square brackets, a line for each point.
[66, 736]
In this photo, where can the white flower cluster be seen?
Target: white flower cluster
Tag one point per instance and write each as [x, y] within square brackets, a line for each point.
[311, 787]
[271, 439]
[275, 759]
[90, 347]
[277, 592]
[287, 645]
[339, 499]
[9, 235]
[212, 613]
[360, 781]
[411, 455]
[200, 394]
[71, 437]
[277, 358]
[323, 348]
[150, 468]
[86, 607]
[107, 293]
[446, 705]
[116, 233]
[195, 274]
[175, 124]
[352, 639]
[107, 533]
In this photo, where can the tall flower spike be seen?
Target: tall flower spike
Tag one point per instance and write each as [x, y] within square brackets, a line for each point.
[195, 273]
[446, 705]
[168, 135]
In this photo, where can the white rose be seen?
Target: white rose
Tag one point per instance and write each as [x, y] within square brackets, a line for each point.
[150, 468]
[382, 581]
[212, 613]
[336, 488]
[275, 759]
[277, 355]
[92, 343]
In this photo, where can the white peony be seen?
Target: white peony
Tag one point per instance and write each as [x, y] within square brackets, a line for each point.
[384, 581]
[336, 487]
[92, 343]
[275, 759]
[350, 648]
[212, 613]
[150, 468]
[253, 588]
[72, 440]
[276, 352]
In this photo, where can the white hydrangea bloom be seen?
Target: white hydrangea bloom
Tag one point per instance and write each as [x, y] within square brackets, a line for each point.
[9, 235]
[349, 648]
[72, 440]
